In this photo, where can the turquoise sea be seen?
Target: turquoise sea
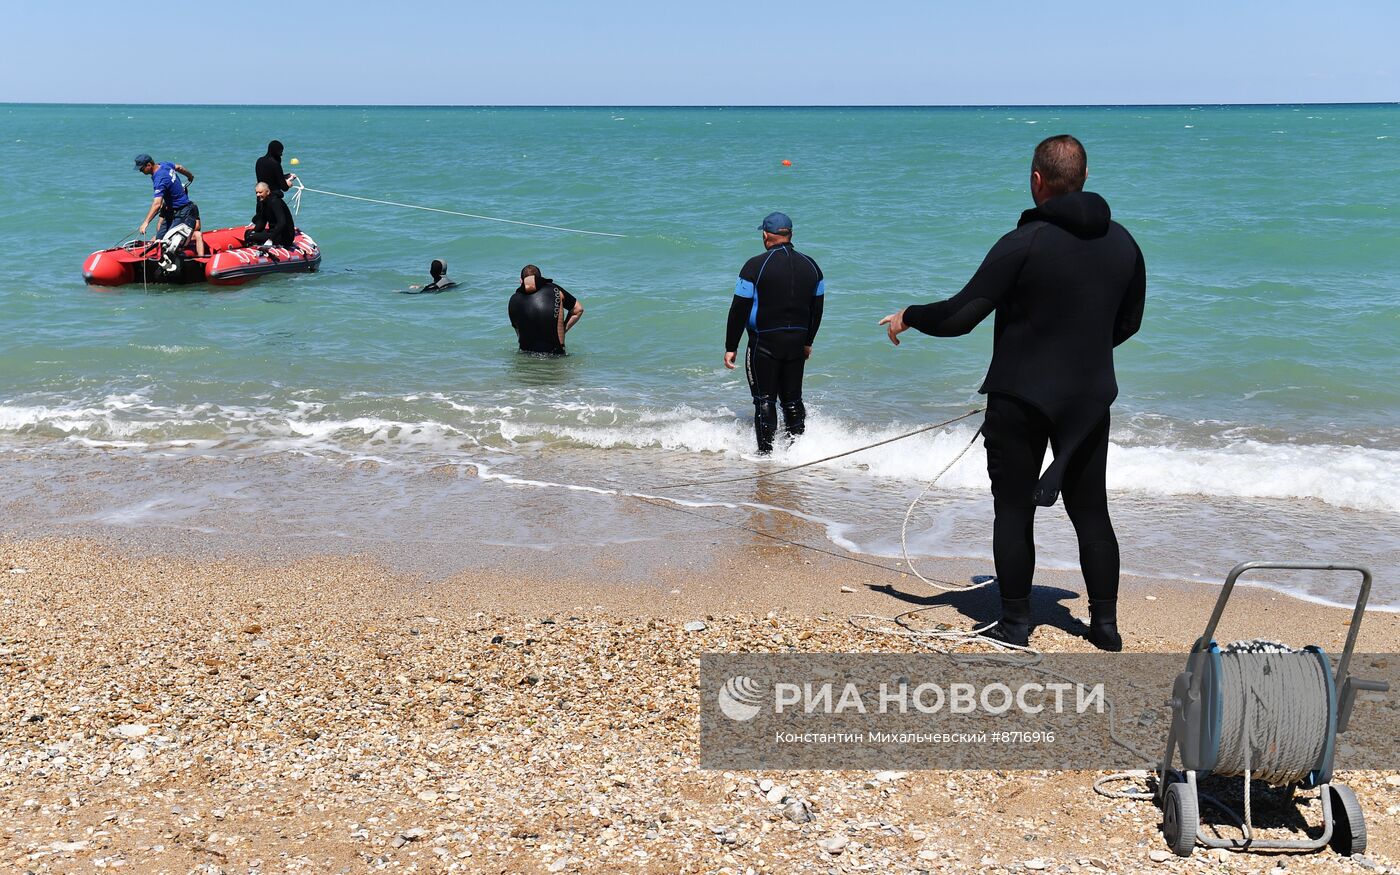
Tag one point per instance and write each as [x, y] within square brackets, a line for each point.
[1258, 407]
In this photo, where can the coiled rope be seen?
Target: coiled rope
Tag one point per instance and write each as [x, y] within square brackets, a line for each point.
[1275, 716]
[296, 205]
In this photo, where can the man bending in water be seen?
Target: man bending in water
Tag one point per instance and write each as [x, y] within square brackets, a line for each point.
[542, 312]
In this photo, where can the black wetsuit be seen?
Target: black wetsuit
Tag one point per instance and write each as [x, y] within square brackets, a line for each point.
[778, 298]
[539, 317]
[273, 221]
[269, 169]
[441, 284]
[1067, 286]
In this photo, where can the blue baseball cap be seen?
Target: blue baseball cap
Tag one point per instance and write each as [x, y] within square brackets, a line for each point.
[143, 159]
[775, 223]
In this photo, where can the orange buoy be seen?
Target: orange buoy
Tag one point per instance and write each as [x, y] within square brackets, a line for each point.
[787, 163]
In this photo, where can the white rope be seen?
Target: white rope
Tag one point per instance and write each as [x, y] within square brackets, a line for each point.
[946, 640]
[942, 638]
[1275, 715]
[841, 455]
[301, 187]
[904, 533]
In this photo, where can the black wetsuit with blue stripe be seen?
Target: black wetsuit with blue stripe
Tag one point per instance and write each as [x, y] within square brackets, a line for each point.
[778, 299]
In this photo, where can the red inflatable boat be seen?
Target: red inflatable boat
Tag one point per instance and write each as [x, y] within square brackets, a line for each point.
[227, 261]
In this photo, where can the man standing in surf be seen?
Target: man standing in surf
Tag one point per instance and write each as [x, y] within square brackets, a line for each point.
[778, 298]
[1067, 286]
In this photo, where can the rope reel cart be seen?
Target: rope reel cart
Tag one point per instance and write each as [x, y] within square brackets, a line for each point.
[1262, 711]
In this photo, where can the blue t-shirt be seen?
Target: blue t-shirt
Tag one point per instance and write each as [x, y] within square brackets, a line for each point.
[168, 186]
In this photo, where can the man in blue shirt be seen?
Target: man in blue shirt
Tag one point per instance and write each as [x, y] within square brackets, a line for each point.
[778, 298]
[171, 200]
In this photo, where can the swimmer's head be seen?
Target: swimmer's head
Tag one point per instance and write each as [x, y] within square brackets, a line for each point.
[437, 269]
[529, 277]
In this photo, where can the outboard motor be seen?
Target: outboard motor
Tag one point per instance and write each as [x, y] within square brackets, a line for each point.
[172, 244]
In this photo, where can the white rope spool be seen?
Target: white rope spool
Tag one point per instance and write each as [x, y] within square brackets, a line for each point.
[1276, 713]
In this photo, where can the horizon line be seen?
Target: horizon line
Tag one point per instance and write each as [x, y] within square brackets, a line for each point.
[1167, 105]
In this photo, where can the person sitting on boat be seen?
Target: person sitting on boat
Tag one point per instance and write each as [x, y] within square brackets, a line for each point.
[269, 169]
[198, 231]
[272, 224]
[172, 203]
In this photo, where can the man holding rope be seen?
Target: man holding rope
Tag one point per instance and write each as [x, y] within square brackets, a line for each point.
[1067, 286]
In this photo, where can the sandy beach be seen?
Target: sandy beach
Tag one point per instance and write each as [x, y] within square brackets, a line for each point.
[166, 713]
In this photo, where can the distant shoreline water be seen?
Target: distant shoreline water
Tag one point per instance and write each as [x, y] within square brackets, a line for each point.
[1257, 407]
[743, 106]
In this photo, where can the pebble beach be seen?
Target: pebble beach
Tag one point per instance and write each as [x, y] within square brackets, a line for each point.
[332, 714]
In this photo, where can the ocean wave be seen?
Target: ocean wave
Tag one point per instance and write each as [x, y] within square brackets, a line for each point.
[1229, 464]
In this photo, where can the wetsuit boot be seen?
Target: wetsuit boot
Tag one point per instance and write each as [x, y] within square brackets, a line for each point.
[765, 424]
[795, 417]
[1103, 625]
[1014, 627]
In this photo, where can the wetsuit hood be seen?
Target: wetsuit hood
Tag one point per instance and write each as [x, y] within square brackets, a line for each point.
[274, 149]
[1082, 213]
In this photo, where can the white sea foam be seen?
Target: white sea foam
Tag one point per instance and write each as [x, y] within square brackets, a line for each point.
[1351, 477]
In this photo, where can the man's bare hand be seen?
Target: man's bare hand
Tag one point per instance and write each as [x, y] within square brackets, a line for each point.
[806, 352]
[894, 325]
[729, 358]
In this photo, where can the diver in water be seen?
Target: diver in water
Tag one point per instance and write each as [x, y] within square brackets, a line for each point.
[542, 312]
[1067, 286]
[440, 282]
[779, 299]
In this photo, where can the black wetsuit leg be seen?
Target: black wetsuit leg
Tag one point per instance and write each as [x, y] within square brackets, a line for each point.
[763, 371]
[790, 394]
[775, 378]
[1086, 502]
[1016, 435]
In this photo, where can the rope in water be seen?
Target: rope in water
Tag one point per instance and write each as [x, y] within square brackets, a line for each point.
[907, 434]
[904, 531]
[301, 188]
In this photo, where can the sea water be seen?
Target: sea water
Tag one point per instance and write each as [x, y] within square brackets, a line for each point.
[1257, 415]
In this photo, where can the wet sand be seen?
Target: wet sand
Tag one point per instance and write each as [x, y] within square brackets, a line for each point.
[171, 711]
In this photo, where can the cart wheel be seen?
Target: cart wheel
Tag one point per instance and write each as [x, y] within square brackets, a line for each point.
[1181, 818]
[1348, 823]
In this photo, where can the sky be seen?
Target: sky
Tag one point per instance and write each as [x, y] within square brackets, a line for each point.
[613, 53]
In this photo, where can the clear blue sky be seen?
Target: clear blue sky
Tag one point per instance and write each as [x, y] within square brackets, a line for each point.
[611, 52]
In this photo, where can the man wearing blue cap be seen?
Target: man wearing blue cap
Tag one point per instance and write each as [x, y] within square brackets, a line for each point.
[778, 298]
[171, 200]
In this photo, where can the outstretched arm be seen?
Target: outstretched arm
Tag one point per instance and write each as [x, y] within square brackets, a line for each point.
[993, 282]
